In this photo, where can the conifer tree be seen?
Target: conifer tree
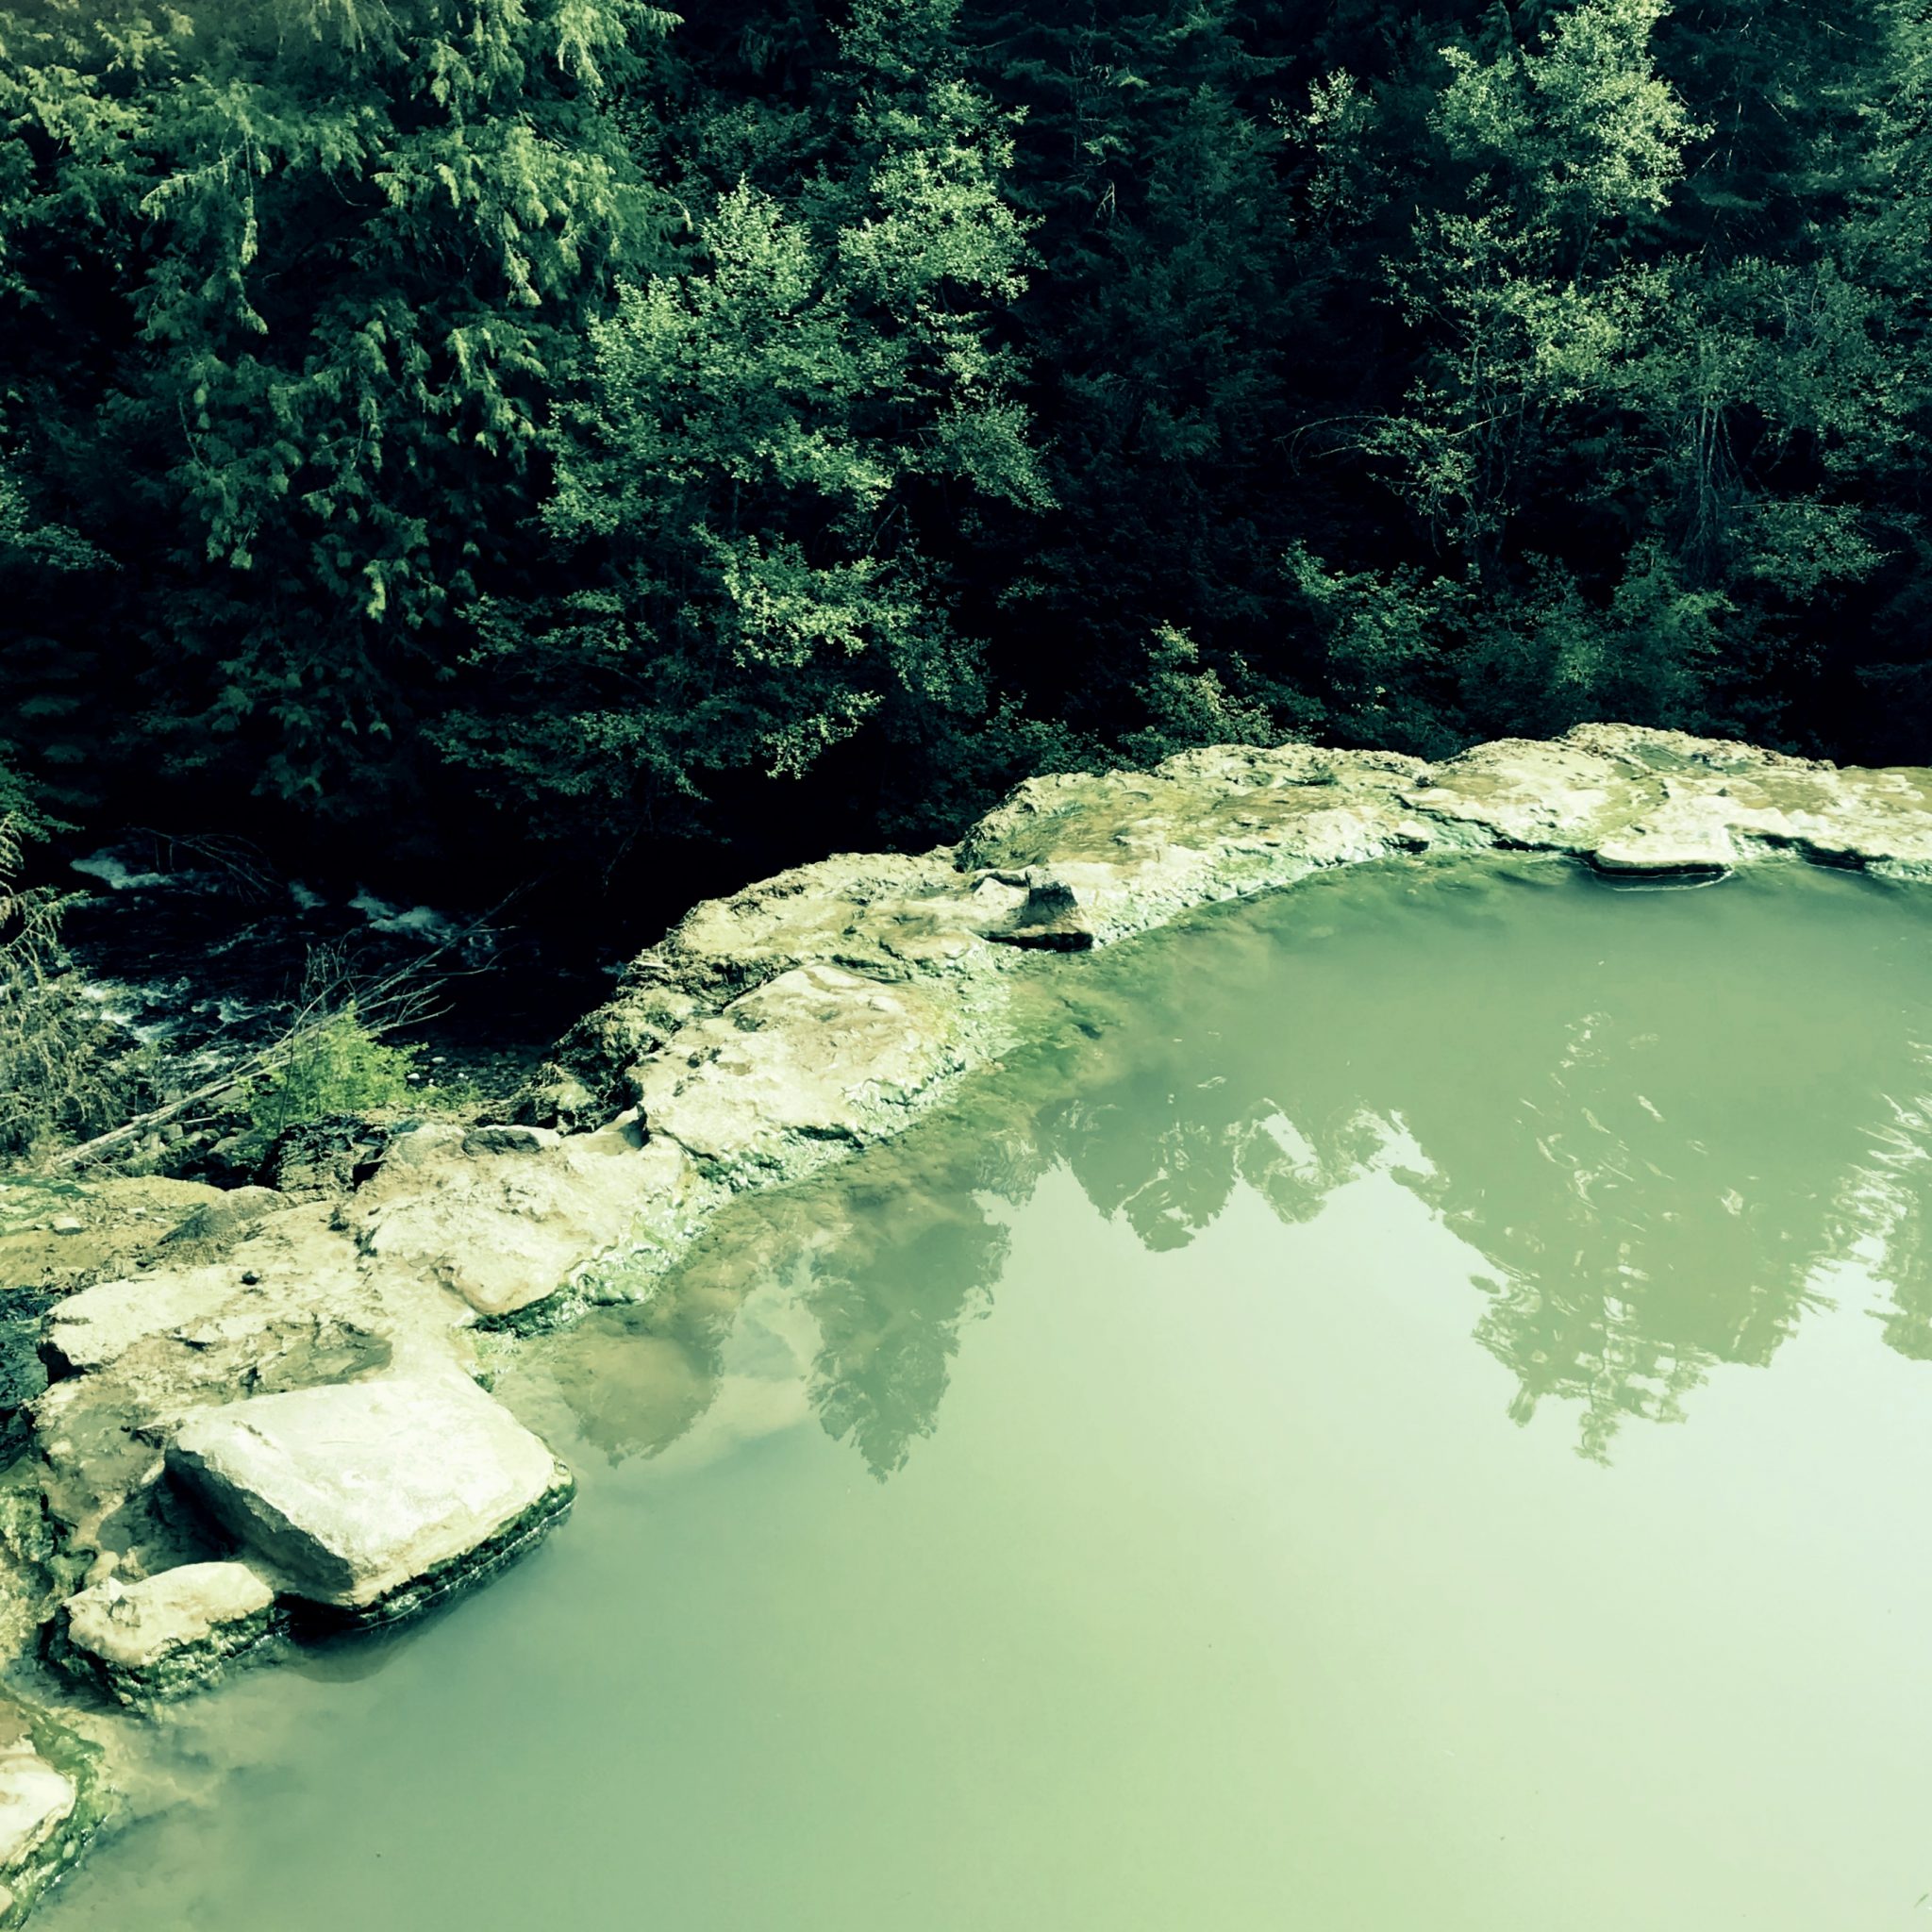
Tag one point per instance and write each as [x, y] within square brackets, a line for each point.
[770, 423]
[289, 288]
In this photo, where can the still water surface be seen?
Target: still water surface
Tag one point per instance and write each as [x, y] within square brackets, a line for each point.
[1410, 1411]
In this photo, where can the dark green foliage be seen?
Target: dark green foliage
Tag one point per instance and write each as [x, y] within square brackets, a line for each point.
[1161, 334]
[637, 426]
[290, 287]
[768, 422]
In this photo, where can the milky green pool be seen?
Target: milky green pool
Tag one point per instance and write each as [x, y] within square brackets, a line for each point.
[1409, 1411]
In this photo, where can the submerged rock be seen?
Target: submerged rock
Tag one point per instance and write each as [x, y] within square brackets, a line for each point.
[373, 1498]
[167, 1635]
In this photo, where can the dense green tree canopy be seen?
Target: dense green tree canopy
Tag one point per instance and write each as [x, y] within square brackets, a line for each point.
[765, 427]
[631, 425]
[289, 288]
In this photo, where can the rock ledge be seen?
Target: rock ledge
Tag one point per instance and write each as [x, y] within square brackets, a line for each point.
[300, 1366]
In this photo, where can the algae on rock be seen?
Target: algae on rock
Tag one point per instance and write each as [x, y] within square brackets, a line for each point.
[166, 1636]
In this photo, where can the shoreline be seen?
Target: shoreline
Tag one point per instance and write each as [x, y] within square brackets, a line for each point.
[770, 1033]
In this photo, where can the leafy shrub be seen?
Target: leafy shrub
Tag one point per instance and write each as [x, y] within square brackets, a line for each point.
[334, 1067]
[1188, 704]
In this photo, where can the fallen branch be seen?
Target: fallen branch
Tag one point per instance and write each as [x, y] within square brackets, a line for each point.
[405, 998]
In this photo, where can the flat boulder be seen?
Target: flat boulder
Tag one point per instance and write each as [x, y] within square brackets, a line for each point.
[373, 1498]
[166, 1635]
[101, 1323]
[501, 1216]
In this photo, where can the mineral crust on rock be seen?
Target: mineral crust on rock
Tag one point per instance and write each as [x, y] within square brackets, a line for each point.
[812, 1063]
[373, 1498]
[100, 1324]
[111, 1228]
[501, 1215]
[35, 1801]
[820, 1010]
[50, 1804]
[167, 1635]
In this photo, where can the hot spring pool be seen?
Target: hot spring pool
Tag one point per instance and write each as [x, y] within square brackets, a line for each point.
[1408, 1410]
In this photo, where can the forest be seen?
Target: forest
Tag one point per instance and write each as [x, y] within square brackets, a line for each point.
[502, 437]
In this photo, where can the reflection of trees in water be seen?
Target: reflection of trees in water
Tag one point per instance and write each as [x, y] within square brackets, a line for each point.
[891, 1303]
[888, 1264]
[1884, 1213]
[1656, 1168]
[1658, 1136]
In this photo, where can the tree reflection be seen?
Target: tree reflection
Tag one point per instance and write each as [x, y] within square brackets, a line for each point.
[1658, 1123]
[1658, 1139]
[889, 1262]
[890, 1310]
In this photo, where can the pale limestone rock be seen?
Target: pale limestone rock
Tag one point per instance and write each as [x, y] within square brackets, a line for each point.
[1691, 835]
[375, 1497]
[123, 1222]
[50, 1804]
[1522, 791]
[35, 1802]
[1104, 857]
[293, 1306]
[503, 1216]
[826, 965]
[100, 1324]
[853, 910]
[817, 1059]
[166, 1635]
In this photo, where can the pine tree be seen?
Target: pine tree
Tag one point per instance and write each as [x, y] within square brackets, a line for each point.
[1163, 337]
[290, 287]
[771, 424]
